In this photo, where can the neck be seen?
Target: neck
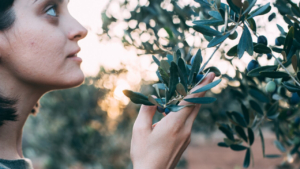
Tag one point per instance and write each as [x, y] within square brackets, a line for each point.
[11, 131]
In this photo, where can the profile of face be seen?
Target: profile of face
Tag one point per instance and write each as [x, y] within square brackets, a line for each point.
[40, 48]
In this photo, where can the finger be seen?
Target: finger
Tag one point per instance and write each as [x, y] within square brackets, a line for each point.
[144, 118]
[185, 112]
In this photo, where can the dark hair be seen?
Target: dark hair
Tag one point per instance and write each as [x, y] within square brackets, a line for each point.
[7, 18]
[7, 105]
[7, 15]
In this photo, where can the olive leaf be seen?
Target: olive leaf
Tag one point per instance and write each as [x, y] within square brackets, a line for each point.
[245, 44]
[240, 131]
[247, 158]
[173, 81]
[289, 40]
[208, 86]
[182, 72]
[256, 72]
[237, 147]
[262, 49]
[201, 100]
[196, 66]
[137, 98]
[205, 30]
[256, 107]
[180, 89]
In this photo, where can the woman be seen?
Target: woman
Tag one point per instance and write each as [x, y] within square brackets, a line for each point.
[38, 48]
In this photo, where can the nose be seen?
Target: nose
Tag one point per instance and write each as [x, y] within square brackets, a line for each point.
[76, 31]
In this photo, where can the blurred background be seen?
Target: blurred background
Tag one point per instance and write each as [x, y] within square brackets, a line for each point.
[90, 126]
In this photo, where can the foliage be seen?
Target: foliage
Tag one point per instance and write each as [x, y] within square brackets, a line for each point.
[256, 105]
[72, 130]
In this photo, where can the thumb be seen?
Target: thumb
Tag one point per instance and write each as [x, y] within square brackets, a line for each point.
[144, 118]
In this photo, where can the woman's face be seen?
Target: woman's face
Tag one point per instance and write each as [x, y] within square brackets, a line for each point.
[39, 48]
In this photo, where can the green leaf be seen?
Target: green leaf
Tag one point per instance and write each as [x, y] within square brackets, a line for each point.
[255, 72]
[247, 158]
[262, 49]
[153, 101]
[249, 7]
[260, 11]
[279, 146]
[245, 44]
[176, 56]
[251, 136]
[212, 22]
[217, 40]
[196, 66]
[173, 80]
[258, 95]
[252, 24]
[256, 107]
[165, 77]
[205, 30]
[222, 144]
[182, 73]
[227, 131]
[175, 108]
[156, 60]
[159, 76]
[137, 98]
[169, 31]
[237, 147]
[164, 64]
[290, 87]
[272, 156]
[180, 89]
[233, 51]
[281, 29]
[215, 14]
[297, 32]
[274, 74]
[289, 40]
[273, 109]
[160, 86]
[277, 50]
[240, 131]
[161, 100]
[235, 8]
[239, 119]
[201, 100]
[213, 69]
[170, 58]
[245, 113]
[294, 62]
[262, 141]
[208, 86]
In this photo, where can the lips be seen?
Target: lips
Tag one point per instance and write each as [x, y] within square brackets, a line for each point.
[73, 54]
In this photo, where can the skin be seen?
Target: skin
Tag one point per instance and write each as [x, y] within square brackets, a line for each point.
[33, 61]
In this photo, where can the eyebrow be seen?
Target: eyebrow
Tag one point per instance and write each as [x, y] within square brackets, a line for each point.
[60, 1]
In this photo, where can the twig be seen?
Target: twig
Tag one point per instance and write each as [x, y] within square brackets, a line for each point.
[286, 70]
[203, 67]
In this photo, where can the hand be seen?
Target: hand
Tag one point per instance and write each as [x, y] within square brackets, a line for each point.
[161, 147]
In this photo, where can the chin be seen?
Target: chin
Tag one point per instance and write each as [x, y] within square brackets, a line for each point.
[70, 81]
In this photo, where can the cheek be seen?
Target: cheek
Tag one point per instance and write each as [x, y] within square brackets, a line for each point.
[39, 57]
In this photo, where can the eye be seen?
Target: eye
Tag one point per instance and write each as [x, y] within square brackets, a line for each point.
[52, 11]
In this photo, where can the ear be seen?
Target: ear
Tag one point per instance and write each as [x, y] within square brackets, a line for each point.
[36, 108]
